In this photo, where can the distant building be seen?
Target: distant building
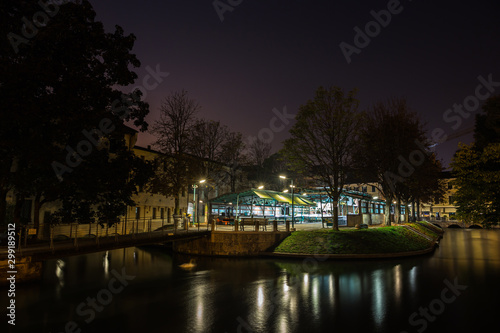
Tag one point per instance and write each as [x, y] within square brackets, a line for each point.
[153, 209]
[444, 209]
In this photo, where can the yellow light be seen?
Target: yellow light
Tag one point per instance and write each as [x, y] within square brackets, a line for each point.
[261, 187]
[202, 181]
[282, 177]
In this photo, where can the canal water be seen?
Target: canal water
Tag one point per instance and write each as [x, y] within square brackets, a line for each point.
[455, 289]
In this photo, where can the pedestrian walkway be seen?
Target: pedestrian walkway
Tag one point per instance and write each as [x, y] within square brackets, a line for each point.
[86, 245]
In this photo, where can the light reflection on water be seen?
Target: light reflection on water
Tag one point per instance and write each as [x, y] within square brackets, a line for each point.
[266, 295]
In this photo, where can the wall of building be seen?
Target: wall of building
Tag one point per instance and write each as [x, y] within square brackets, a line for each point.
[445, 209]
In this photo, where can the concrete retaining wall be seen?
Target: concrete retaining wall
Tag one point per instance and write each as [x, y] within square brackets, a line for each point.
[224, 243]
[25, 268]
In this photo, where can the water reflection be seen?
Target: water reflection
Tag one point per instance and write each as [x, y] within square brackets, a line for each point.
[266, 295]
[105, 264]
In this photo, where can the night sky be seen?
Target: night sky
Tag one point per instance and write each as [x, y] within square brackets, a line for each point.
[268, 55]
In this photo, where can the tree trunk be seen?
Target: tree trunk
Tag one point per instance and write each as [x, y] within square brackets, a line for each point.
[233, 181]
[177, 204]
[418, 209]
[387, 217]
[335, 214]
[17, 209]
[397, 211]
[407, 212]
[36, 213]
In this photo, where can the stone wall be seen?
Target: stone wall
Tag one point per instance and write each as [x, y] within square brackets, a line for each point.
[236, 243]
[26, 269]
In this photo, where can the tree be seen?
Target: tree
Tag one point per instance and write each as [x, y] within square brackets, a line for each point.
[258, 151]
[173, 131]
[233, 154]
[207, 142]
[62, 114]
[487, 129]
[478, 181]
[423, 185]
[392, 147]
[323, 140]
[477, 169]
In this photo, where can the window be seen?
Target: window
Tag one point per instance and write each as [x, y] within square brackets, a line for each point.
[154, 212]
[162, 213]
[451, 200]
[373, 188]
[364, 207]
[137, 213]
[364, 189]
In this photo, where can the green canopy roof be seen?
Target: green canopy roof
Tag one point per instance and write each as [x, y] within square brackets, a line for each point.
[272, 197]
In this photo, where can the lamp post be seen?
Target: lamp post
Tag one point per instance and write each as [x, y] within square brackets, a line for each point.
[195, 204]
[293, 215]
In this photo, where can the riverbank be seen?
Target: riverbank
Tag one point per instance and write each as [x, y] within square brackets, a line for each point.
[394, 241]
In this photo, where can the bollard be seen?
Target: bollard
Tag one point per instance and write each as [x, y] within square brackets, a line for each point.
[235, 224]
[275, 225]
[287, 226]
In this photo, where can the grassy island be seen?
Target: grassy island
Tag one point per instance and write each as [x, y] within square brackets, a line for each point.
[394, 239]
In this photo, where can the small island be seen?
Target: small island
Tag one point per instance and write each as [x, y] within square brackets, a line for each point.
[391, 241]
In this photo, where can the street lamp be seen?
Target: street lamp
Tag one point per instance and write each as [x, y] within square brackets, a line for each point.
[293, 215]
[195, 208]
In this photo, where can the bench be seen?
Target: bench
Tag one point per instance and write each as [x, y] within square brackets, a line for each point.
[254, 221]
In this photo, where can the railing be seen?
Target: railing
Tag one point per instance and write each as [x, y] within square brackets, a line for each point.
[49, 236]
[76, 234]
